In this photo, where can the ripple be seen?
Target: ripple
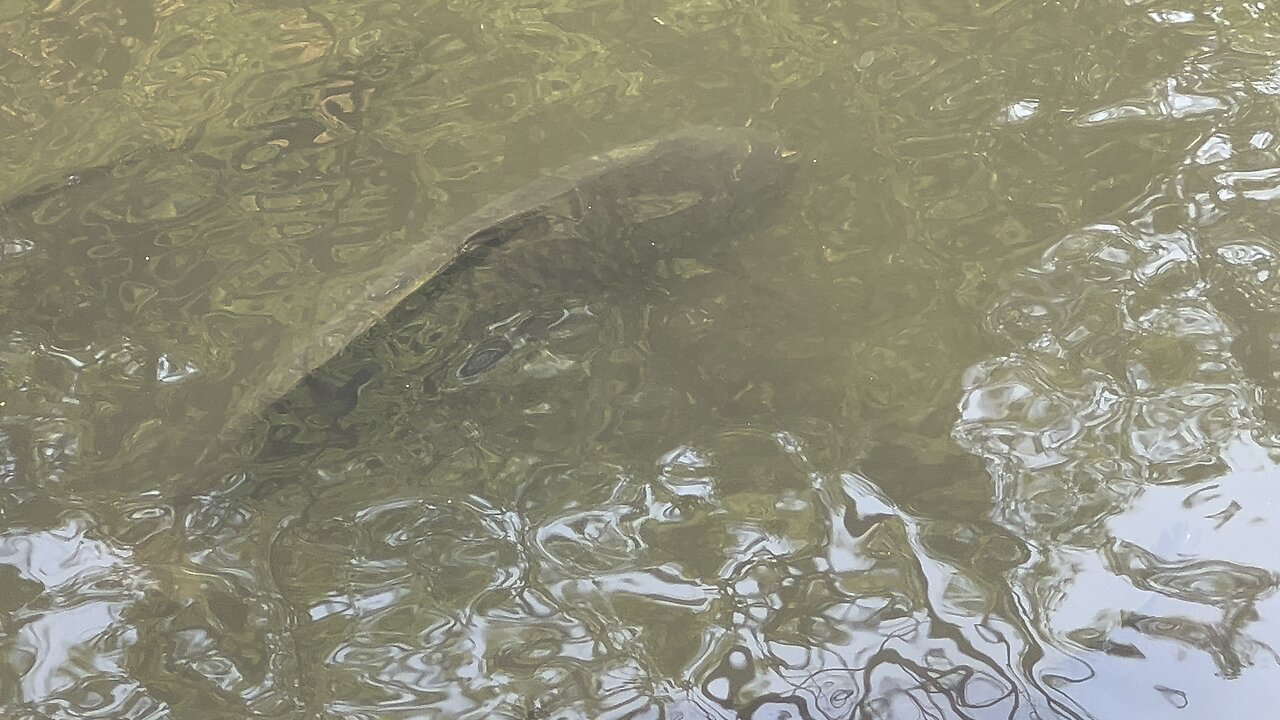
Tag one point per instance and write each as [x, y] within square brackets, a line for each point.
[70, 634]
[730, 495]
[1141, 498]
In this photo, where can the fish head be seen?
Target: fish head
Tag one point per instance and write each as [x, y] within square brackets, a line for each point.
[694, 186]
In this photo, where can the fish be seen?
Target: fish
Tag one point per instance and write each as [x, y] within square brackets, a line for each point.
[640, 201]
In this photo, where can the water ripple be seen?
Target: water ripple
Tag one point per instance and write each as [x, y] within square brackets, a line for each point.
[1124, 427]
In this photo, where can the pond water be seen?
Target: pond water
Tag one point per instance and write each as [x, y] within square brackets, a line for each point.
[981, 421]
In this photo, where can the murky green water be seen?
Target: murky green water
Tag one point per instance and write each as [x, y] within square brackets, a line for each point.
[982, 422]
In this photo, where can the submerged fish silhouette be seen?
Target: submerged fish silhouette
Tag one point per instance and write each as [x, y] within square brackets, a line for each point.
[635, 201]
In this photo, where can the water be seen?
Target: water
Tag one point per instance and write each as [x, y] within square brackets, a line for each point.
[982, 422]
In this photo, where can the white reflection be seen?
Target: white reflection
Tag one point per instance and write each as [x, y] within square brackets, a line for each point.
[1227, 517]
[1151, 497]
[11, 248]
[1019, 112]
[1269, 85]
[1172, 17]
[1261, 185]
[72, 631]
[171, 371]
[1177, 104]
[1165, 101]
[1216, 149]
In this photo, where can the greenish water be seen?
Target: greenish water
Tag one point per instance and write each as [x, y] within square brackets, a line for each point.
[982, 422]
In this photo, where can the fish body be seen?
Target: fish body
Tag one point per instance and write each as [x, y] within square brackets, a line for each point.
[614, 209]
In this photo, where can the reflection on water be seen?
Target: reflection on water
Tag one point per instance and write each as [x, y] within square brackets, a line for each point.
[65, 639]
[1129, 433]
[984, 425]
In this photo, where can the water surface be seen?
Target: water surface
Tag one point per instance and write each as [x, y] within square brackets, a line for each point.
[981, 423]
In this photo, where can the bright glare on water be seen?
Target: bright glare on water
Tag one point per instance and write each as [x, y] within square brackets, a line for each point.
[970, 409]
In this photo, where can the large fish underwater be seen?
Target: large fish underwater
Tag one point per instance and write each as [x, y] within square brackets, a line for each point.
[598, 220]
